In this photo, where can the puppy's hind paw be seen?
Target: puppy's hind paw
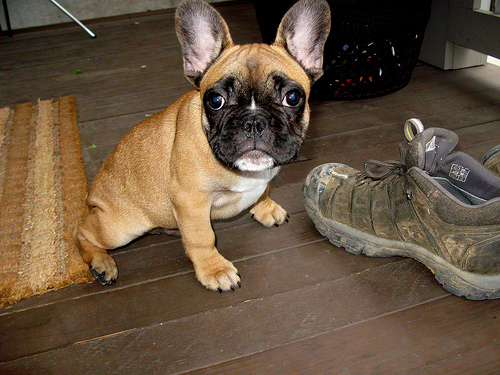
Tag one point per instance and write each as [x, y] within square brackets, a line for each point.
[101, 277]
[105, 271]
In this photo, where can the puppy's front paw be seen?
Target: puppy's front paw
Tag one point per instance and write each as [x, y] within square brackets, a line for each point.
[104, 269]
[269, 213]
[217, 273]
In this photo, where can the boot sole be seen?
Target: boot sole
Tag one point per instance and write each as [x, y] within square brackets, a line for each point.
[454, 280]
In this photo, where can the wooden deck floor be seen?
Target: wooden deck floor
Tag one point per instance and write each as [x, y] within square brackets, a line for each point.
[305, 307]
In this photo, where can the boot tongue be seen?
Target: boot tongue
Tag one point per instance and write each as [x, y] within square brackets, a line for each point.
[460, 174]
[429, 149]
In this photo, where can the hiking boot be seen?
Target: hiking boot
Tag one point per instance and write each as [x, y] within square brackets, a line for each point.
[435, 206]
[492, 159]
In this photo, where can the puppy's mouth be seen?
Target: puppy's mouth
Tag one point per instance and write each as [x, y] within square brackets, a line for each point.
[254, 161]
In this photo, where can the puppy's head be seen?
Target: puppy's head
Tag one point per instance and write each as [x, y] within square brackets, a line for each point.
[255, 111]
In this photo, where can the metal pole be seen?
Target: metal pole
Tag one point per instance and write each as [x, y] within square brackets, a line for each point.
[73, 18]
[7, 19]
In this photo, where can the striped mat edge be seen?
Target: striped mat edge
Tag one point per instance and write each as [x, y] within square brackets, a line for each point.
[42, 198]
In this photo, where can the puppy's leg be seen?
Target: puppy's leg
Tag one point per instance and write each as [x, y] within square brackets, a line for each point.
[268, 212]
[96, 234]
[213, 271]
[102, 266]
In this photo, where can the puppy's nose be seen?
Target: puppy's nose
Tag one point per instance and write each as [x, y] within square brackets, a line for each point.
[254, 126]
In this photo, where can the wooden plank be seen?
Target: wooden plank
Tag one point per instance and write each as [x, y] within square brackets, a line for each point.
[143, 304]
[150, 101]
[137, 31]
[370, 137]
[123, 52]
[92, 53]
[408, 341]
[478, 151]
[159, 256]
[349, 116]
[239, 327]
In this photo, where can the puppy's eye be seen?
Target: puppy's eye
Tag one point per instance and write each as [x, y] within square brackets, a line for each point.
[292, 98]
[215, 101]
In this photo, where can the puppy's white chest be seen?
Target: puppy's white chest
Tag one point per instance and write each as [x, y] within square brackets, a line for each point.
[248, 190]
[252, 187]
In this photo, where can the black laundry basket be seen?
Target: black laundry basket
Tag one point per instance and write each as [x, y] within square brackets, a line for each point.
[372, 48]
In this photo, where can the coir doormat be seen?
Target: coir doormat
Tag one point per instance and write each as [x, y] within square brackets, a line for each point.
[42, 198]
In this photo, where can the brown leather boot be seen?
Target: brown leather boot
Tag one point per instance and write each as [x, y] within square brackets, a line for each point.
[439, 207]
[492, 160]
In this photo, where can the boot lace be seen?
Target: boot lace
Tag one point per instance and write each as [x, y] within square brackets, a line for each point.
[378, 170]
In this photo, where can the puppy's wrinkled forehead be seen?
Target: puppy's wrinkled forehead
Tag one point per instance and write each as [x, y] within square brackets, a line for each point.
[255, 64]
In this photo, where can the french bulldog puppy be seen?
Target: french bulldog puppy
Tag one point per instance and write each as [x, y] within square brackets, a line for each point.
[212, 153]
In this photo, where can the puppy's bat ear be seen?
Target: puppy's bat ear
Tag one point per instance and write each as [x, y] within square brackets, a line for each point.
[203, 35]
[303, 32]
